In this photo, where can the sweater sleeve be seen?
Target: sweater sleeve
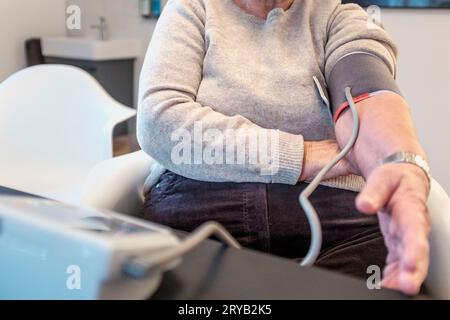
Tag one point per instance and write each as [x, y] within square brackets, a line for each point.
[194, 140]
[358, 53]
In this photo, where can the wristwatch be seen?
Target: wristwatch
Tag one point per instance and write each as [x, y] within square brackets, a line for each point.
[412, 158]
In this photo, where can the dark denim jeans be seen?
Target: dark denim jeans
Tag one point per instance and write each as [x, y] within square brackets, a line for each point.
[268, 217]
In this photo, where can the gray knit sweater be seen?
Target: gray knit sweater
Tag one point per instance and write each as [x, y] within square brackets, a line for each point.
[227, 96]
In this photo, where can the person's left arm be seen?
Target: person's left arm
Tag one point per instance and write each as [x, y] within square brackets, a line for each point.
[363, 57]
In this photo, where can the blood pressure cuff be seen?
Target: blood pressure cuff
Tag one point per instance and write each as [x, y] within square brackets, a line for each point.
[363, 73]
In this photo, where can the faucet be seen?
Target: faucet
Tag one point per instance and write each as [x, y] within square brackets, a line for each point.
[102, 27]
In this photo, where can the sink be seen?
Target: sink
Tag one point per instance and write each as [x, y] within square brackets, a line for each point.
[91, 49]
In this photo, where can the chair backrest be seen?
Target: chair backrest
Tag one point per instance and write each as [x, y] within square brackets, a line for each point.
[56, 122]
[438, 280]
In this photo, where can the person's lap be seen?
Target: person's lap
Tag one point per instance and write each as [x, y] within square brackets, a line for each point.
[268, 217]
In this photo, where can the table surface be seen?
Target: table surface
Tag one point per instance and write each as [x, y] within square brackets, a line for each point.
[214, 271]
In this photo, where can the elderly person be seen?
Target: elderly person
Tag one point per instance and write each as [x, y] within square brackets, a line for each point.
[219, 73]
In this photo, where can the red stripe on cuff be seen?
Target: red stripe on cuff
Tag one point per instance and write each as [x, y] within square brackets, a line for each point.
[345, 105]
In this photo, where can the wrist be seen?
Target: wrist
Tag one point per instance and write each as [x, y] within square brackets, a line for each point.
[307, 163]
[414, 161]
[316, 155]
[373, 161]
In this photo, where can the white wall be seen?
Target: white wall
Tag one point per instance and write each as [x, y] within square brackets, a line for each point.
[423, 38]
[124, 21]
[23, 19]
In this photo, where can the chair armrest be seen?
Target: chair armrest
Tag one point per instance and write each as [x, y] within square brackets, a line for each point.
[117, 184]
[438, 280]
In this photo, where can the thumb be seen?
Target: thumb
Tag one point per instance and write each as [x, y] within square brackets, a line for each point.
[377, 192]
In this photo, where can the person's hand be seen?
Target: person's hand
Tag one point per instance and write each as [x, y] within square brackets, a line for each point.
[398, 193]
[317, 155]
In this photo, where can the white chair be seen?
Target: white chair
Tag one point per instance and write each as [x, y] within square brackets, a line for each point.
[117, 185]
[56, 123]
[438, 281]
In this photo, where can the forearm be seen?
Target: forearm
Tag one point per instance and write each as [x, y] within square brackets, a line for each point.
[386, 128]
[199, 143]
[397, 193]
[317, 154]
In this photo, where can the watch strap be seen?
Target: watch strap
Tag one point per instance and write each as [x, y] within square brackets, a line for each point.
[412, 158]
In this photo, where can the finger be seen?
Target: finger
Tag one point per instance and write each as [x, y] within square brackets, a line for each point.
[390, 277]
[409, 282]
[389, 283]
[415, 250]
[390, 269]
[392, 257]
[410, 216]
[412, 229]
[404, 279]
[387, 227]
[377, 191]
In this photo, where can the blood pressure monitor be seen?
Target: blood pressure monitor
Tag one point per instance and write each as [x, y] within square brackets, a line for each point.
[49, 250]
